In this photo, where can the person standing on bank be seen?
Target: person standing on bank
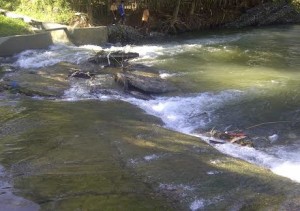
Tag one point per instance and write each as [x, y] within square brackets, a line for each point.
[145, 19]
[121, 10]
[113, 9]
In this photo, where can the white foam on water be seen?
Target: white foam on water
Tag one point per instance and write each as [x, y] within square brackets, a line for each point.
[51, 56]
[288, 169]
[282, 161]
[185, 114]
[167, 75]
[248, 153]
[58, 53]
[79, 92]
[213, 172]
[290, 161]
[151, 157]
[197, 204]
[172, 187]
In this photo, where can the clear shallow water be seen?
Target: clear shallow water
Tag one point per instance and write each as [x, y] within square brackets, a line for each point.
[227, 81]
[9, 201]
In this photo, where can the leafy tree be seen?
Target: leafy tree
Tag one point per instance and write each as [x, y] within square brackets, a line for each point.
[9, 4]
[11, 26]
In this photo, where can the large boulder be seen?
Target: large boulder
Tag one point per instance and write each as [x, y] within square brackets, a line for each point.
[124, 34]
[143, 81]
[115, 59]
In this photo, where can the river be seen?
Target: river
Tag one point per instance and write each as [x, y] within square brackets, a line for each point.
[245, 81]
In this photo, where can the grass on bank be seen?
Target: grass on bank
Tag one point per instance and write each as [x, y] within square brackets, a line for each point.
[11, 26]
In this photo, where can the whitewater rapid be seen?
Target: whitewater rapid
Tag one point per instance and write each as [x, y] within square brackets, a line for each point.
[184, 113]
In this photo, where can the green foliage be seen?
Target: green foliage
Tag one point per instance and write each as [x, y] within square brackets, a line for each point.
[296, 3]
[47, 10]
[9, 4]
[10, 26]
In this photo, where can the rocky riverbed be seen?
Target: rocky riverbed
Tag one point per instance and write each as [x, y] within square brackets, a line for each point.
[64, 154]
[99, 74]
[69, 155]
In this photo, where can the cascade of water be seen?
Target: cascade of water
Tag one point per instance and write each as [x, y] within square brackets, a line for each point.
[245, 68]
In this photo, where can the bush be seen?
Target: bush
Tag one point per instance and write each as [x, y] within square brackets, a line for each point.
[45, 10]
[9, 4]
[296, 4]
[10, 26]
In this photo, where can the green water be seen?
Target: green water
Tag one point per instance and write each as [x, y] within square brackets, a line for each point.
[112, 155]
[258, 58]
[262, 63]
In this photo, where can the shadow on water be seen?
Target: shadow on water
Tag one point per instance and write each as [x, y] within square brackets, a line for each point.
[110, 155]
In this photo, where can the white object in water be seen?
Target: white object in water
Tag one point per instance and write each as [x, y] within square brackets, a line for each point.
[273, 138]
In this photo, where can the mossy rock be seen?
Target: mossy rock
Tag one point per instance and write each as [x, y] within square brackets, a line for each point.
[112, 156]
[48, 81]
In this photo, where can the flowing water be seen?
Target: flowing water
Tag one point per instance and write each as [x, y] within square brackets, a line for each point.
[228, 81]
[244, 81]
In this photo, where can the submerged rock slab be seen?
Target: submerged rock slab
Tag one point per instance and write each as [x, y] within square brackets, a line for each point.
[48, 81]
[111, 155]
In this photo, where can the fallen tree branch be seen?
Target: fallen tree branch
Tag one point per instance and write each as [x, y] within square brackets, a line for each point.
[266, 123]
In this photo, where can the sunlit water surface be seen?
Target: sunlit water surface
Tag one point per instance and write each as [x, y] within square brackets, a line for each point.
[226, 81]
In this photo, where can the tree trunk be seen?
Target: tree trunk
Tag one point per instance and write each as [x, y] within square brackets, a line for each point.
[89, 9]
[193, 5]
[175, 13]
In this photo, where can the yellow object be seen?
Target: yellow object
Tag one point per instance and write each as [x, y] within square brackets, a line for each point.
[146, 15]
[113, 7]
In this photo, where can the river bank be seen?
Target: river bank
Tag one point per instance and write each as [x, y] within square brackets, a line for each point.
[257, 15]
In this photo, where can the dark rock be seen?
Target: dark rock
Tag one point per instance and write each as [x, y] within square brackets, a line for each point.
[144, 82]
[7, 68]
[124, 34]
[7, 60]
[81, 74]
[140, 95]
[144, 68]
[102, 82]
[115, 59]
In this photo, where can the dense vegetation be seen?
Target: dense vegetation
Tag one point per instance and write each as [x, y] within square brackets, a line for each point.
[11, 26]
[167, 15]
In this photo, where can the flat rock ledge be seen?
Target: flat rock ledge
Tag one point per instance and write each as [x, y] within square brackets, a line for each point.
[54, 81]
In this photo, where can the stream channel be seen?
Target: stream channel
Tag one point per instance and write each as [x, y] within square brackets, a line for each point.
[85, 151]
